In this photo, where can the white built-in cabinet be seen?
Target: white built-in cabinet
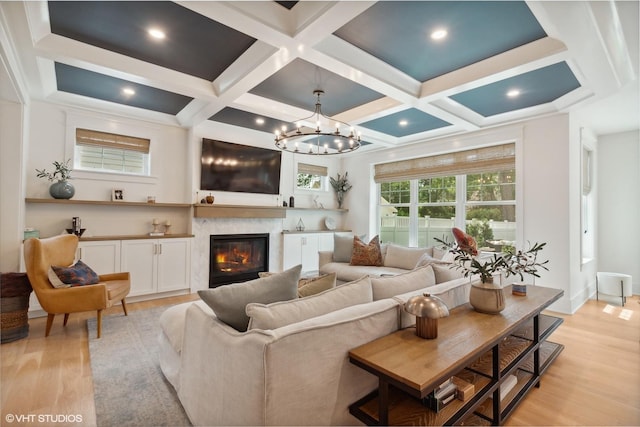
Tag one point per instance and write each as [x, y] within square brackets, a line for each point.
[102, 256]
[157, 265]
[303, 248]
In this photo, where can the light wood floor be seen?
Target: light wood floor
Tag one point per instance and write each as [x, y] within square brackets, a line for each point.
[594, 381]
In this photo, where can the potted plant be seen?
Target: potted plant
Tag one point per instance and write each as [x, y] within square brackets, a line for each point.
[486, 296]
[61, 189]
[341, 186]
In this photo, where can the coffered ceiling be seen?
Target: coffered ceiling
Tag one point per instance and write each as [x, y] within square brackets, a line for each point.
[402, 72]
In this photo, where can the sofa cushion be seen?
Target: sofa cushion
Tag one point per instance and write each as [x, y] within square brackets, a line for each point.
[229, 301]
[387, 287]
[427, 259]
[348, 273]
[366, 253]
[446, 272]
[403, 257]
[315, 285]
[284, 313]
[342, 247]
[79, 274]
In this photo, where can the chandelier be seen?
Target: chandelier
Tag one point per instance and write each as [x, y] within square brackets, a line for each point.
[314, 140]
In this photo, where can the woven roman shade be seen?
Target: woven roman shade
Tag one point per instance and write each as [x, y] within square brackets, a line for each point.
[486, 159]
[112, 140]
[312, 169]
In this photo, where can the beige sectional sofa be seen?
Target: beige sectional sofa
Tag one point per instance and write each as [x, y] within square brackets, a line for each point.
[291, 366]
[396, 259]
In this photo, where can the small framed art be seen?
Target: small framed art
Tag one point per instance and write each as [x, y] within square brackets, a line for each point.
[117, 195]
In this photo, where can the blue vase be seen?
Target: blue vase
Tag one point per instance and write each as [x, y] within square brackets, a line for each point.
[62, 190]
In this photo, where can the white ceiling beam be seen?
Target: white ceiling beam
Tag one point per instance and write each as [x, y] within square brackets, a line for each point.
[346, 60]
[77, 54]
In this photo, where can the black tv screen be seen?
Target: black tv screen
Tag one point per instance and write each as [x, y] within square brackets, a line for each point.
[241, 168]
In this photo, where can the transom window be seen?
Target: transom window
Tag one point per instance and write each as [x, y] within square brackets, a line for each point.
[109, 152]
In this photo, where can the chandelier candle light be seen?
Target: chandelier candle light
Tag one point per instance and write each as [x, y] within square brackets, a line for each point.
[319, 141]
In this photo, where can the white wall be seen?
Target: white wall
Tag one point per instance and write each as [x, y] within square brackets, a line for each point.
[52, 136]
[543, 153]
[12, 116]
[618, 182]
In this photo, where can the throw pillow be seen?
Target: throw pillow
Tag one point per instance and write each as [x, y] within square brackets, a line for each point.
[79, 274]
[403, 257]
[444, 274]
[55, 280]
[366, 254]
[229, 301]
[342, 247]
[284, 313]
[308, 287]
[389, 286]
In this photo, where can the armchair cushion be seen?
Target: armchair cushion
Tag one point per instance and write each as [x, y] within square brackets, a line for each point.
[79, 274]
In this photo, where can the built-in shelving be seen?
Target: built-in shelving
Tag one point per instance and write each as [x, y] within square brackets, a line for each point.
[248, 211]
[134, 237]
[107, 203]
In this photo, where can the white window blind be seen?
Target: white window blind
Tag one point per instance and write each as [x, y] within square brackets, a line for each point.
[312, 169]
[486, 159]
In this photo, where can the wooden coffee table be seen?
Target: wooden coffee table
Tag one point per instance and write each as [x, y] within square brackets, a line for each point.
[480, 348]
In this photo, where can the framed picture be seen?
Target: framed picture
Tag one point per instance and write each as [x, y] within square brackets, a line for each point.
[117, 195]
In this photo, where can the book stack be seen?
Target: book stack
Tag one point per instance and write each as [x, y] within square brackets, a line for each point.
[444, 394]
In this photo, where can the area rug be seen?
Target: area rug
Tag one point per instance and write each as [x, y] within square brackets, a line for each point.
[129, 387]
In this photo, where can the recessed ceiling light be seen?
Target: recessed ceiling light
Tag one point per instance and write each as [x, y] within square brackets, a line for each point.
[260, 121]
[128, 91]
[403, 122]
[513, 93]
[156, 33]
[439, 34]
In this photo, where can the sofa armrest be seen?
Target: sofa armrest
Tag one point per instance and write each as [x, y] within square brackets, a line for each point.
[324, 257]
[222, 373]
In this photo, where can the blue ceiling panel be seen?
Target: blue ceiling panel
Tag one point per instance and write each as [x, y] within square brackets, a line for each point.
[95, 85]
[233, 116]
[295, 83]
[194, 44]
[398, 33]
[403, 123]
[535, 88]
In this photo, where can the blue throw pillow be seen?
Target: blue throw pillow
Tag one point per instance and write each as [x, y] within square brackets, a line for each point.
[79, 274]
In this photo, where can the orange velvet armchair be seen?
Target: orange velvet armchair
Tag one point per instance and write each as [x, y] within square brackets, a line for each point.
[41, 254]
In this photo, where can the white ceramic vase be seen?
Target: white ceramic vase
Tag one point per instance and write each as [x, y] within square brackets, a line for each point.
[487, 297]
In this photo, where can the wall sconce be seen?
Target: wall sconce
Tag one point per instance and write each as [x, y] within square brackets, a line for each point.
[428, 309]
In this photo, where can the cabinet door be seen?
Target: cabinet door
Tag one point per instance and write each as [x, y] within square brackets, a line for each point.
[309, 252]
[138, 257]
[291, 251]
[174, 261]
[103, 257]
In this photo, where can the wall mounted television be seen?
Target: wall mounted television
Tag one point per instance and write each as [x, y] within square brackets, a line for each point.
[226, 166]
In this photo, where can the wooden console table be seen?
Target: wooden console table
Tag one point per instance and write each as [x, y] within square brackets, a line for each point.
[480, 348]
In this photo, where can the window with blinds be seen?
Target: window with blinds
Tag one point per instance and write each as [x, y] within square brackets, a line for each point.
[311, 177]
[109, 152]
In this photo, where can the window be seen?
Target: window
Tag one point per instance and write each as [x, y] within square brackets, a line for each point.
[108, 152]
[473, 189]
[311, 177]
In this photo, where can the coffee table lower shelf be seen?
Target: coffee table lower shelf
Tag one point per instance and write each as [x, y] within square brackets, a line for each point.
[404, 409]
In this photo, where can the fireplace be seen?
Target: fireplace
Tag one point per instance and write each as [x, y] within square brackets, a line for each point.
[237, 257]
